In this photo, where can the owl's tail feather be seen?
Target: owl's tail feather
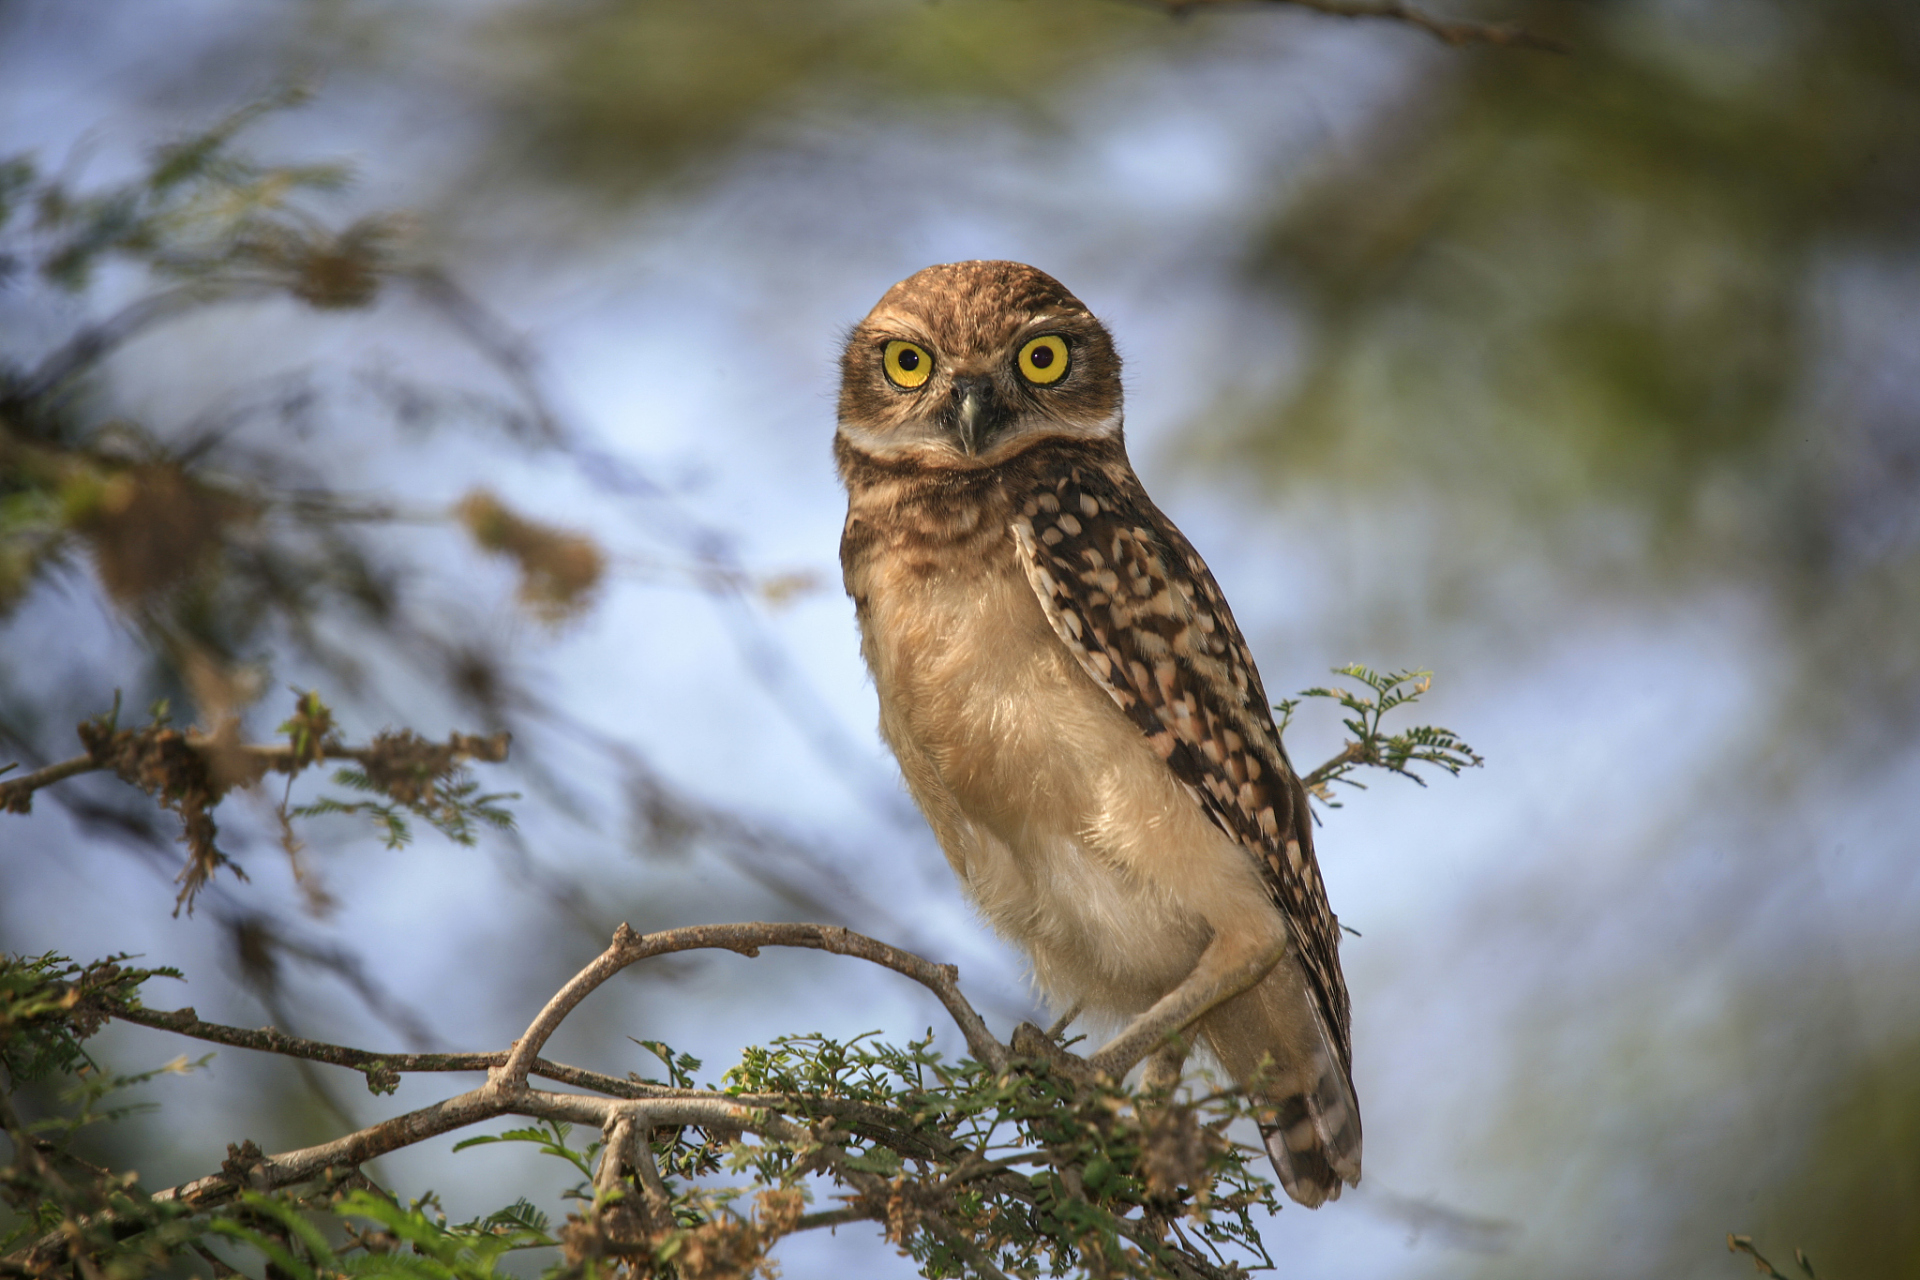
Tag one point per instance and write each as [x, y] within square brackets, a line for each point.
[1314, 1139]
[1272, 1040]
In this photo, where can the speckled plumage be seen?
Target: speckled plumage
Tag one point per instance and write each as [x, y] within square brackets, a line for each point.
[1074, 708]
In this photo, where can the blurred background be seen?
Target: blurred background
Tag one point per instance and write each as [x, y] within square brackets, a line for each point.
[1589, 381]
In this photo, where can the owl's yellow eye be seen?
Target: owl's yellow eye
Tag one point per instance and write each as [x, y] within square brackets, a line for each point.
[907, 364]
[1044, 360]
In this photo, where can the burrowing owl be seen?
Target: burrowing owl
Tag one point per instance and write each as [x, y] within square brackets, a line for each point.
[1075, 710]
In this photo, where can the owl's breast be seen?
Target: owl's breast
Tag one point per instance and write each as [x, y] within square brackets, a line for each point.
[1067, 829]
[973, 683]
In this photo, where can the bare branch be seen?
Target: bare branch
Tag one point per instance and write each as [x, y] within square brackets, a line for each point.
[472, 1107]
[835, 1218]
[1453, 32]
[629, 947]
[659, 1199]
[616, 1154]
[355, 1148]
[13, 791]
[270, 1040]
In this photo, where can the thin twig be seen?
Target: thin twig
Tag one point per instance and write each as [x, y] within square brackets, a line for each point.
[12, 789]
[271, 1040]
[1065, 1020]
[1350, 753]
[476, 1105]
[833, 1218]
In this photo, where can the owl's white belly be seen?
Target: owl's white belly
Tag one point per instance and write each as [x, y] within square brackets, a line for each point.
[1069, 833]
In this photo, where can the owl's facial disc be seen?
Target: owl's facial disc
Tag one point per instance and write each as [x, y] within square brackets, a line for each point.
[967, 364]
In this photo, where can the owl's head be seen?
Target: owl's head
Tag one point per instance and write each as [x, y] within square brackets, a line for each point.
[969, 363]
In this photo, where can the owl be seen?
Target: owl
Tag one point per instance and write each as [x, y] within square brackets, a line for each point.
[1073, 707]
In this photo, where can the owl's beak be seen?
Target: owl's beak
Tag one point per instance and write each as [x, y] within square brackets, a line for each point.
[977, 413]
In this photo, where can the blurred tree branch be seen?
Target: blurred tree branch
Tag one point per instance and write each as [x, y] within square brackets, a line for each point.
[210, 552]
[1452, 31]
[1744, 1244]
[191, 771]
[276, 757]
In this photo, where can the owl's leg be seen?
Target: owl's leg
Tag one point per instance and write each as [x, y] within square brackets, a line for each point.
[1233, 962]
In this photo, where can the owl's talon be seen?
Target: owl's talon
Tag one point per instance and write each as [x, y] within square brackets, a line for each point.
[1030, 1041]
[1059, 1028]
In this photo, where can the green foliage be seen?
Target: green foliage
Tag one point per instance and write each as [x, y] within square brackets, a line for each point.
[412, 1242]
[629, 92]
[430, 780]
[680, 1066]
[310, 729]
[49, 1005]
[207, 223]
[203, 211]
[454, 809]
[1371, 745]
[1035, 1171]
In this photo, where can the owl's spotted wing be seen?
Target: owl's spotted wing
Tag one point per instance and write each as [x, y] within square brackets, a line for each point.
[1141, 611]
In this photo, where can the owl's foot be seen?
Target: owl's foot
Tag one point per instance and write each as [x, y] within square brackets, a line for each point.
[1030, 1041]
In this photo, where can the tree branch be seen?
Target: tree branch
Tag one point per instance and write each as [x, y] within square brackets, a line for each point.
[488, 1101]
[833, 1218]
[272, 1040]
[629, 947]
[13, 790]
[631, 1110]
[895, 1129]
